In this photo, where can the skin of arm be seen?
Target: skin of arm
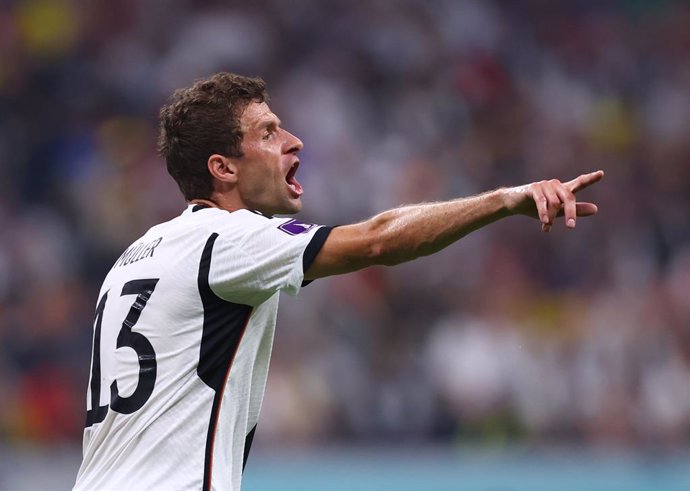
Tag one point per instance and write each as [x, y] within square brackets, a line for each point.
[406, 233]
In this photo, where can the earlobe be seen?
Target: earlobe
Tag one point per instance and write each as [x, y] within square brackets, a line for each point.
[222, 168]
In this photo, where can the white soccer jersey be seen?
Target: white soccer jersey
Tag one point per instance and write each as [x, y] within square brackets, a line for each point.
[182, 340]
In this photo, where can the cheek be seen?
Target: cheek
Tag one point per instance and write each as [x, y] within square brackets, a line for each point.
[262, 179]
[262, 172]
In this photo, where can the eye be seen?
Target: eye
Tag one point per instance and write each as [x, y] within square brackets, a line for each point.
[268, 134]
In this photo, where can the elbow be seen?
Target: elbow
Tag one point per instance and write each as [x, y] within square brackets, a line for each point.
[381, 254]
[390, 242]
[384, 245]
[372, 247]
[390, 255]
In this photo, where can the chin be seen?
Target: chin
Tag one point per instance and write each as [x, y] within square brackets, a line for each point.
[295, 207]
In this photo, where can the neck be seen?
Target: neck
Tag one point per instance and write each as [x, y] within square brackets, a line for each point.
[218, 200]
[206, 202]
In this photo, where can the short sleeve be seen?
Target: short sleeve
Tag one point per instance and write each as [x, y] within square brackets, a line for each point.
[256, 256]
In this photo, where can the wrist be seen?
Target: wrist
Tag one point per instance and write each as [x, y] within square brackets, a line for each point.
[508, 200]
[512, 199]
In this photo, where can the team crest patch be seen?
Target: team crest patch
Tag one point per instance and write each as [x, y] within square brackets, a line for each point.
[295, 227]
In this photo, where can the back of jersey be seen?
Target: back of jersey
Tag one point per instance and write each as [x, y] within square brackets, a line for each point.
[149, 298]
[163, 345]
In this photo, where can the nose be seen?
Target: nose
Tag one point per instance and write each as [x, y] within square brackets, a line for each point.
[292, 143]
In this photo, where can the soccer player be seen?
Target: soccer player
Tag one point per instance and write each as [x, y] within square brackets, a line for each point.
[185, 318]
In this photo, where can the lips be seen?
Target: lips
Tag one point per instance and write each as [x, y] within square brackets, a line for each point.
[293, 184]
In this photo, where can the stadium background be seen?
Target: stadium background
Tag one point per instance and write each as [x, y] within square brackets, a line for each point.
[513, 360]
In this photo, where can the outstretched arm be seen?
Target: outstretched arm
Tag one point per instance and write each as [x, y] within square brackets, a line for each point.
[402, 234]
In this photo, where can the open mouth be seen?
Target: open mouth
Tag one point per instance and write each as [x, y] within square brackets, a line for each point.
[292, 182]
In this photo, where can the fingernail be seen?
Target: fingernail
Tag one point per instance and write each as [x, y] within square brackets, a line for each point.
[571, 223]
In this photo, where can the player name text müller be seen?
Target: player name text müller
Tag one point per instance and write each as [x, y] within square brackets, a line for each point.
[137, 252]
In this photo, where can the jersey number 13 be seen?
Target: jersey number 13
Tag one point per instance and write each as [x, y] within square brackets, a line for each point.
[143, 289]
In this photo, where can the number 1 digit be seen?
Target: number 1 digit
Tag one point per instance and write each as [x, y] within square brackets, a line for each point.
[97, 413]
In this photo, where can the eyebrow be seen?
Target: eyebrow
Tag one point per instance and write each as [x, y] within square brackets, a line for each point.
[272, 123]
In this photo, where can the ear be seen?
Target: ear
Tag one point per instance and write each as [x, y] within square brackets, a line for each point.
[222, 168]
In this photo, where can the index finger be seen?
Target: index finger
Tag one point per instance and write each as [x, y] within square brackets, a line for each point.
[584, 181]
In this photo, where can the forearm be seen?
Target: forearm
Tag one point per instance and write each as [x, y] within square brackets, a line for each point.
[405, 233]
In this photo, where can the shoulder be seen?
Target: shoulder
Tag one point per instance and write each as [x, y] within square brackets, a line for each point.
[247, 221]
[244, 226]
[220, 221]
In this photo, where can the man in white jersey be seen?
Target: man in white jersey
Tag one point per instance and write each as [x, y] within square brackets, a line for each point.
[185, 318]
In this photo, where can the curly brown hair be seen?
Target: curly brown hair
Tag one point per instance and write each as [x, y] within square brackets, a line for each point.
[203, 120]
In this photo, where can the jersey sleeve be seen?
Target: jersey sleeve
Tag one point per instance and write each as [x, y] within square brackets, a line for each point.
[251, 262]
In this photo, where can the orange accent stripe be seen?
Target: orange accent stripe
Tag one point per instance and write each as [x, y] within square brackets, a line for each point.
[220, 401]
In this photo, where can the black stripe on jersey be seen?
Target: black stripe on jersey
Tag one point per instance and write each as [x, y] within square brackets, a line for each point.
[199, 207]
[248, 445]
[224, 326]
[313, 248]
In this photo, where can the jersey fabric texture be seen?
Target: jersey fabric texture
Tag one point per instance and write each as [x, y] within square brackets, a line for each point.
[182, 341]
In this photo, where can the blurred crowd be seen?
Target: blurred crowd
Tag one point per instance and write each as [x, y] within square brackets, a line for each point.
[509, 335]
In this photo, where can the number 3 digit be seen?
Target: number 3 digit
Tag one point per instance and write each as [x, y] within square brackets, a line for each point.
[143, 289]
